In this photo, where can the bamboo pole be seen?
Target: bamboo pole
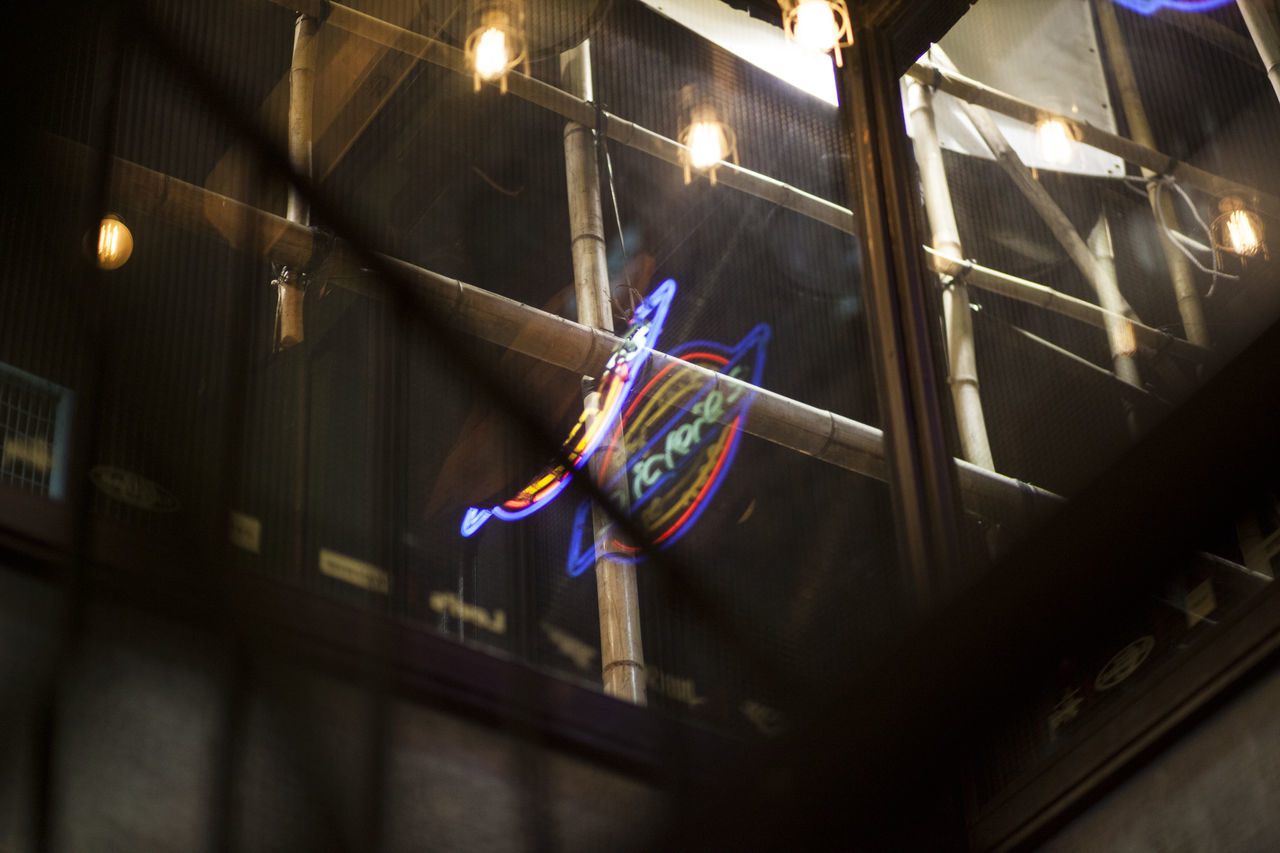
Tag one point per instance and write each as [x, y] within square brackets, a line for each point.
[302, 74]
[1184, 286]
[821, 434]
[621, 651]
[976, 93]
[1120, 337]
[1049, 299]
[1262, 27]
[1045, 207]
[962, 358]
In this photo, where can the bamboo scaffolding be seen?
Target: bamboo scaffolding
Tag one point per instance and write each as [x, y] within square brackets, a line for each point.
[1184, 286]
[621, 650]
[1049, 299]
[984, 96]
[821, 434]
[1045, 207]
[962, 359]
[574, 109]
[634, 136]
[1262, 27]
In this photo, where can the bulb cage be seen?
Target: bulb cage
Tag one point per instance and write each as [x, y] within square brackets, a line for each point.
[840, 12]
[507, 17]
[1234, 216]
[697, 110]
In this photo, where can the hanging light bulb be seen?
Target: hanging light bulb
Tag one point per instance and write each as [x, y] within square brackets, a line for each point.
[1238, 230]
[491, 53]
[706, 144]
[707, 141]
[1053, 139]
[820, 25]
[497, 42]
[114, 243]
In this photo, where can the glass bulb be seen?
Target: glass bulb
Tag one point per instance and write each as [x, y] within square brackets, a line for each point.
[1054, 139]
[815, 25]
[706, 147]
[491, 53]
[1241, 235]
[115, 243]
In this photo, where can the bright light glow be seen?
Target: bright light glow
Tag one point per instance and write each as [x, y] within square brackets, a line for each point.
[1241, 235]
[706, 144]
[815, 26]
[115, 243]
[1054, 139]
[491, 53]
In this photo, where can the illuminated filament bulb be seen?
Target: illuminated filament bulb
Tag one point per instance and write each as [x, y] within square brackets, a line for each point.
[1240, 231]
[819, 25]
[491, 53]
[497, 43]
[115, 243]
[706, 144]
[1054, 139]
[815, 25]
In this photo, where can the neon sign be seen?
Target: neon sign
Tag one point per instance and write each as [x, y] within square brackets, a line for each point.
[1150, 7]
[620, 374]
[687, 433]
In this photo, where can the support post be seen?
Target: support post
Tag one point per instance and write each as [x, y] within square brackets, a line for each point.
[1262, 26]
[302, 74]
[621, 653]
[1184, 287]
[962, 356]
[901, 320]
[1120, 337]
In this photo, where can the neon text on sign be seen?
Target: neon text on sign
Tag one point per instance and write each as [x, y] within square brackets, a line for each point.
[620, 374]
[1150, 7]
[686, 433]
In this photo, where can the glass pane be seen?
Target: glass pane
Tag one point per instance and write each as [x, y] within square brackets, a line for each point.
[376, 408]
[1101, 193]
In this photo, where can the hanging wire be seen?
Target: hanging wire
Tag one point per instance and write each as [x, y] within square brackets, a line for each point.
[1184, 244]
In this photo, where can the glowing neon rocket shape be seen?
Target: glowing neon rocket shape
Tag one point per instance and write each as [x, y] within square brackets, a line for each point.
[620, 373]
[686, 436]
[1150, 7]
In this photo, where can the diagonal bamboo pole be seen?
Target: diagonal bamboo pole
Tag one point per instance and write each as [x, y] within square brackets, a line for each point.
[1262, 27]
[821, 434]
[1120, 335]
[621, 651]
[1184, 286]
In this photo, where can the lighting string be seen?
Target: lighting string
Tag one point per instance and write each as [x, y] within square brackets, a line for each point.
[1184, 244]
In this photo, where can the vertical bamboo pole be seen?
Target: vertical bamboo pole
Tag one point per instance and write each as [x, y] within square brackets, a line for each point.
[1184, 287]
[302, 74]
[961, 353]
[621, 654]
[1262, 26]
[1120, 335]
